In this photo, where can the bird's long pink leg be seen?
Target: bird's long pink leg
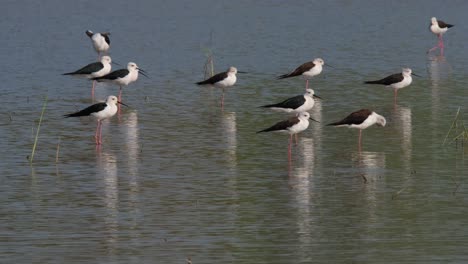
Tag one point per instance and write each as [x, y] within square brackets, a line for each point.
[289, 147]
[307, 84]
[295, 137]
[222, 100]
[96, 136]
[437, 46]
[395, 93]
[441, 45]
[434, 48]
[360, 136]
[92, 90]
[120, 100]
[100, 133]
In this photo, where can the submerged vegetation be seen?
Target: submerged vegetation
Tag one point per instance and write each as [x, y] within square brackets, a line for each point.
[458, 132]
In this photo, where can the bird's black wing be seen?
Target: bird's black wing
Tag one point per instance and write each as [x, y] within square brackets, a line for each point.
[442, 24]
[299, 70]
[292, 103]
[214, 79]
[354, 118]
[106, 37]
[113, 75]
[394, 78]
[89, 110]
[88, 69]
[282, 125]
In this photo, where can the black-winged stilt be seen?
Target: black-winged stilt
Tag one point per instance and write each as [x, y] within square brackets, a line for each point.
[222, 80]
[99, 111]
[296, 104]
[361, 119]
[308, 70]
[101, 41]
[292, 126]
[122, 77]
[396, 81]
[439, 27]
[93, 70]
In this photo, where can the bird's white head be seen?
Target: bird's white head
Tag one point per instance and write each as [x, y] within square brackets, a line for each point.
[318, 61]
[380, 120]
[309, 92]
[106, 59]
[111, 99]
[131, 66]
[303, 115]
[434, 21]
[406, 72]
[232, 70]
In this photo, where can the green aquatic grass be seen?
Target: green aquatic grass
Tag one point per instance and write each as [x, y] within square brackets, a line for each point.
[209, 66]
[31, 158]
[458, 132]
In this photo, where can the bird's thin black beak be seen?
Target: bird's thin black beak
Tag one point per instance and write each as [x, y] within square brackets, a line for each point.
[313, 119]
[329, 66]
[123, 104]
[416, 75]
[316, 96]
[242, 72]
[140, 70]
[115, 63]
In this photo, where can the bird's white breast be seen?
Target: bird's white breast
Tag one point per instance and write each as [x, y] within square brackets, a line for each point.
[109, 111]
[105, 70]
[316, 70]
[405, 82]
[229, 81]
[299, 127]
[371, 119]
[99, 43]
[308, 104]
[437, 30]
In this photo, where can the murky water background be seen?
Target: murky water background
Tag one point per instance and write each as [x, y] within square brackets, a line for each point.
[178, 178]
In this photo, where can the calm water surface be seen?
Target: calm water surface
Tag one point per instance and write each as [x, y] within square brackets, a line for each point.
[178, 178]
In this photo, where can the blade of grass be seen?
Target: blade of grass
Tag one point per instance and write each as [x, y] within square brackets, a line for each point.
[452, 126]
[57, 152]
[37, 131]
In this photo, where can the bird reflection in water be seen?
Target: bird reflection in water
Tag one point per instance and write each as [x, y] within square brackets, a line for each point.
[229, 130]
[371, 166]
[402, 120]
[300, 182]
[229, 140]
[131, 137]
[439, 70]
[107, 170]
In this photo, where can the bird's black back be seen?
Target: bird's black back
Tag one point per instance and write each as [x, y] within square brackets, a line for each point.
[114, 75]
[299, 70]
[214, 79]
[282, 125]
[442, 24]
[394, 78]
[292, 103]
[89, 110]
[355, 118]
[88, 69]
